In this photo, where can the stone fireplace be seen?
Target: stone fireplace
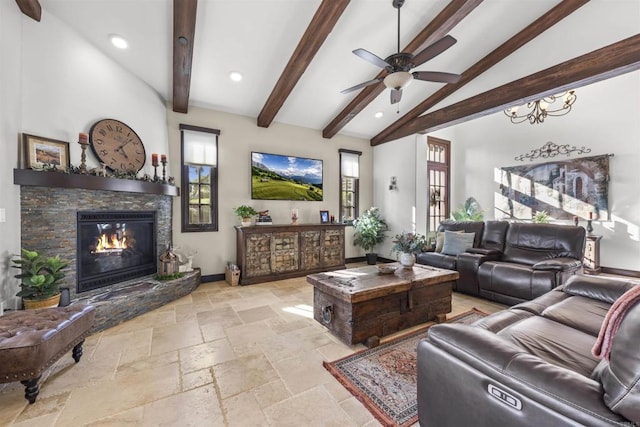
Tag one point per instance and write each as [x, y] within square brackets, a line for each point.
[114, 246]
[112, 231]
[49, 223]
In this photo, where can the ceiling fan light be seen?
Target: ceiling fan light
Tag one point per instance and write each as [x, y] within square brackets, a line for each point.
[398, 80]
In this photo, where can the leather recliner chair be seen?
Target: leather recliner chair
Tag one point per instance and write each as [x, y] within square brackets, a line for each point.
[531, 365]
[536, 258]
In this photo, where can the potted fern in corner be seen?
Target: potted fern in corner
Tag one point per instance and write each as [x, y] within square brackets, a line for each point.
[40, 278]
[369, 230]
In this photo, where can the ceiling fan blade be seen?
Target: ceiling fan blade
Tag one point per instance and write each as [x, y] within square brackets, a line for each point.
[396, 95]
[370, 57]
[436, 76]
[433, 50]
[361, 85]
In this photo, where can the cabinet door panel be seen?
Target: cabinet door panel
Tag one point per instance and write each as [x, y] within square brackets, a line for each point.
[310, 249]
[259, 248]
[333, 248]
[284, 249]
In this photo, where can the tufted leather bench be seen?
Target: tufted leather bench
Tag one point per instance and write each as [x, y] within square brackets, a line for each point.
[32, 340]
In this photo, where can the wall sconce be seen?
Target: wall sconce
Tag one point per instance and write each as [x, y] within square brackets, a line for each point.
[393, 183]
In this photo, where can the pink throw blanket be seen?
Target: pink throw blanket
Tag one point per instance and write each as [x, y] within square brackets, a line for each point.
[613, 319]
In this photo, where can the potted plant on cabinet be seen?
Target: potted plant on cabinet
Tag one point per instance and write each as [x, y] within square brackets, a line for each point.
[40, 278]
[245, 213]
[407, 245]
[369, 230]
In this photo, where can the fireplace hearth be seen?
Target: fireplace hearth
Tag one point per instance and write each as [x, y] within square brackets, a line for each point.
[114, 246]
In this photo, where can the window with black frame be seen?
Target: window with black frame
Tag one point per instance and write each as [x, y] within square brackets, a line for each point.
[199, 178]
[438, 165]
[349, 184]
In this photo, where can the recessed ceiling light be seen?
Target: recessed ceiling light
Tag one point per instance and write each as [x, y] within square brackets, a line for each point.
[235, 76]
[378, 115]
[118, 41]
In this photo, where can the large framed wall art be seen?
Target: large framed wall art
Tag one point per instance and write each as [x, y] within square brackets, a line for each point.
[563, 188]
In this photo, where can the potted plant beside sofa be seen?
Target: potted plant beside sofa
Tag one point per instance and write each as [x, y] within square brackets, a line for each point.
[40, 278]
[407, 245]
[369, 230]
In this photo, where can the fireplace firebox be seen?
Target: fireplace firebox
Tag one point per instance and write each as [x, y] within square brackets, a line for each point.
[114, 246]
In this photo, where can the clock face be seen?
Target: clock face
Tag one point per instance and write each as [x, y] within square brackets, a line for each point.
[117, 145]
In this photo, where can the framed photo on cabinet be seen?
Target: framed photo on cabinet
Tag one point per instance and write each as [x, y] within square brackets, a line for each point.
[40, 152]
[324, 217]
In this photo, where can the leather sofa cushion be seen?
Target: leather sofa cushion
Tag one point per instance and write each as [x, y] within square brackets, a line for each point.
[494, 235]
[514, 280]
[584, 314]
[591, 287]
[436, 259]
[553, 342]
[532, 243]
[621, 378]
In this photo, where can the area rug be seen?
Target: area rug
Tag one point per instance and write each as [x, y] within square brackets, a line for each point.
[384, 378]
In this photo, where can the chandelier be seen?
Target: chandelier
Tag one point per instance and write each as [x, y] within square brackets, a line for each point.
[540, 109]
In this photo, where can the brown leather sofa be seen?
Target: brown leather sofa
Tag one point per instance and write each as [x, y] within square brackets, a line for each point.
[531, 365]
[512, 262]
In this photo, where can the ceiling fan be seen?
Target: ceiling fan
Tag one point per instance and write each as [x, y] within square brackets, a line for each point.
[399, 65]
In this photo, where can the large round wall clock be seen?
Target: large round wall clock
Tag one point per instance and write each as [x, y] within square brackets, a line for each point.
[117, 145]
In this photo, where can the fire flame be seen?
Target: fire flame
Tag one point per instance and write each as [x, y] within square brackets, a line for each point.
[111, 243]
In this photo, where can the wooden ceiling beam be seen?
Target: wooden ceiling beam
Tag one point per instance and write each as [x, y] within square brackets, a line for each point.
[610, 61]
[318, 30]
[31, 8]
[184, 29]
[546, 21]
[441, 25]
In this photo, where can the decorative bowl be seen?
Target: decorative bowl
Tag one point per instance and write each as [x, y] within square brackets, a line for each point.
[386, 269]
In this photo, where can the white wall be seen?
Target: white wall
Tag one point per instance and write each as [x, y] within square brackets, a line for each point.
[604, 119]
[68, 85]
[10, 123]
[239, 136]
[397, 206]
[54, 84]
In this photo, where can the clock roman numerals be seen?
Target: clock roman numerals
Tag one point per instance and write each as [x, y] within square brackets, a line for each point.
[117, 145]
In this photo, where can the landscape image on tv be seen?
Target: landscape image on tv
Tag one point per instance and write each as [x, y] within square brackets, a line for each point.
[277, 177]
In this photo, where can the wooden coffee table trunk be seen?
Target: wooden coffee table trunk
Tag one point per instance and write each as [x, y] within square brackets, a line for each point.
[361, 305]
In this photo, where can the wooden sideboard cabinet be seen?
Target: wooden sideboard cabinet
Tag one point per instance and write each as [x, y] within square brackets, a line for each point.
[274, 252]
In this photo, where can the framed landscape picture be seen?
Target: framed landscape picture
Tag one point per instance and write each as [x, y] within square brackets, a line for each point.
[278, 177]
[40, 152]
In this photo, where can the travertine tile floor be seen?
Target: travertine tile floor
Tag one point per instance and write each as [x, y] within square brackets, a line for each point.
[222, 356]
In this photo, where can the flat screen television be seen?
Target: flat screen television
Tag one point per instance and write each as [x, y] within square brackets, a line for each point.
[278, 177]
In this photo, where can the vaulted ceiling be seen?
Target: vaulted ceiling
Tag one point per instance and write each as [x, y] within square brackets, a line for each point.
[296, 55]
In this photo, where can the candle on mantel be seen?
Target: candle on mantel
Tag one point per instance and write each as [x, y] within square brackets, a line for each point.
[590, 215]
[154, 159]
[163, 158]
[83, 138]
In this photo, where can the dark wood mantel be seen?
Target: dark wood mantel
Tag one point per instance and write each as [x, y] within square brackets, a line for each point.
[90, 182]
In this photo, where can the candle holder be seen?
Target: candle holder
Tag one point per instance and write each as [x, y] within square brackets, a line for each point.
[589, 227]
[83, 158]
[155, 173]
[164, 170]
[576, 220]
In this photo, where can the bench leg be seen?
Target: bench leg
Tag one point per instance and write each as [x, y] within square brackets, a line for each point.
[77, 351]
[31, 389]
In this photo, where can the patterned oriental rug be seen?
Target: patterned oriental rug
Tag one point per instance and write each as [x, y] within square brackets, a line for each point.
[384, 378]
